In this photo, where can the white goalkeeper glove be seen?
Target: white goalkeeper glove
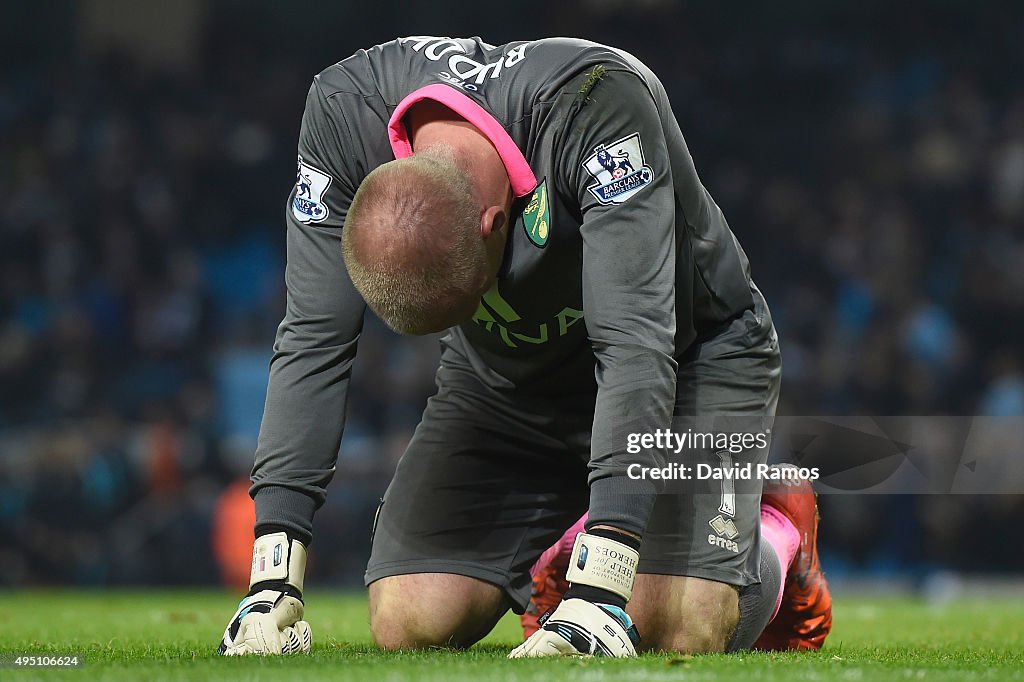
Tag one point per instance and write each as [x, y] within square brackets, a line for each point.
[269, 619]
[582, 628]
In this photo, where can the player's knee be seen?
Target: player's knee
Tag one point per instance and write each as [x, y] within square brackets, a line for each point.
[696, 637]
[399, 621]
[395, 629]
[687, 615]
[432, 610]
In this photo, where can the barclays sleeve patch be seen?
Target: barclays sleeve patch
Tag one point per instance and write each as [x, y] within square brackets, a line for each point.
[310, 186]
[620, 170]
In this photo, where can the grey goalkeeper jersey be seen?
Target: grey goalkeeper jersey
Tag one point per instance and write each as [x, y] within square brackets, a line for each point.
[616, 261]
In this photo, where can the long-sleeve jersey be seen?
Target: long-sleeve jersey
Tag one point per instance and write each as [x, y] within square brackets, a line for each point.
[617, 258]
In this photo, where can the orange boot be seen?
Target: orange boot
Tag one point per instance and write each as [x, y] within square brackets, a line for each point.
[805, 614]
[549, 584]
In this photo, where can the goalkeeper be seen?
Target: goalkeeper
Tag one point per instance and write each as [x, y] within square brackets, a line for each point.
[537, 202]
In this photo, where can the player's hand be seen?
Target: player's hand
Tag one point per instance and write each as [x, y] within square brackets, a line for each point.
[269, 619]
[580, 628]
[587, 627]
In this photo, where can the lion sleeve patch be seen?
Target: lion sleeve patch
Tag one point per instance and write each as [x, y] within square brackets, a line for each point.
[310, 186]
[619, 169]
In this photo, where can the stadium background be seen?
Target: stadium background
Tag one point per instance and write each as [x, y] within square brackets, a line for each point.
[869, 156]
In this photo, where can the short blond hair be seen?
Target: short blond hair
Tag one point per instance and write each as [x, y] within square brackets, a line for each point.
[412, 243]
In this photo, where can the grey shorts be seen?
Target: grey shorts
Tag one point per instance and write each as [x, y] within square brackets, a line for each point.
[490, 479]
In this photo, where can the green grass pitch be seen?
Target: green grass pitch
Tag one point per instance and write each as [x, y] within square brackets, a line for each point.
[150, 635]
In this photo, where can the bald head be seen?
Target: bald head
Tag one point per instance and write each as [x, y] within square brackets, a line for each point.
[413, 245]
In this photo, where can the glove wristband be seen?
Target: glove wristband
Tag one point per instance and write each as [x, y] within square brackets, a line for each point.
[603, 563]
[277, 558]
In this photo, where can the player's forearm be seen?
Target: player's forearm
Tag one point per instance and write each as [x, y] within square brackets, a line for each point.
[623, 506]
[636, 392]
[304, 414]
[299, 440]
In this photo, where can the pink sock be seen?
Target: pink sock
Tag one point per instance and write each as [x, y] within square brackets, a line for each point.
[562, 549]
[782, 535]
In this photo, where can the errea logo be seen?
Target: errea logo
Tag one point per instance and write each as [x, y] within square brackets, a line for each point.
[725, 534]
[462, 70]
[722, 543]
[724, 527]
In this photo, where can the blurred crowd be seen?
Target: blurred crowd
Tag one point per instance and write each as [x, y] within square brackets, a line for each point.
[874, 172]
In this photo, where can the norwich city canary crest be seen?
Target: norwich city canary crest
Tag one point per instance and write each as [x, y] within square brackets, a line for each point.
[536, 217]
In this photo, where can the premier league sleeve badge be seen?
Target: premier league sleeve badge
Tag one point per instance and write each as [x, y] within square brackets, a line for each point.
[310, 186]
[620, 170]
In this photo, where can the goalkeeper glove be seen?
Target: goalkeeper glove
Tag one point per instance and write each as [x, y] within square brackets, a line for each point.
[582, 627]
[269, 618]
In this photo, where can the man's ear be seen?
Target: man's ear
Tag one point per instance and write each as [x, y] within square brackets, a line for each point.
[493, 221]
